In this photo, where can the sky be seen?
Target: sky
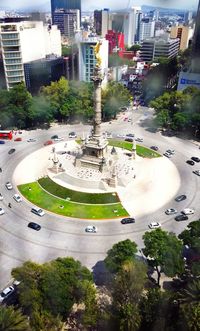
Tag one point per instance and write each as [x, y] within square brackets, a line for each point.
[99, 4]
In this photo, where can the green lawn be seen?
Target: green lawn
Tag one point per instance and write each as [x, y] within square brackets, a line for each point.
[81, 197]
[141, 150]
[34, 193]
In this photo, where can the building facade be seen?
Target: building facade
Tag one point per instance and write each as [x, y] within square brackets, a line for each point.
[184, 33]
[101, 22]
[67, 21]
[115, 41]
[146, 29]
[25, 42]
[64, 4]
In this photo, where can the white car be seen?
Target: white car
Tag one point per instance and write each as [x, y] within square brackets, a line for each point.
[31, 140]
[2, 211]
[154, 225]
[6, 293]
[1, 197]
[170, 211]
[140, 140]
[187, 211]
[121, 135]
[170, 151]
[17, 198]
[91, 228]
[9, 186]
[167, 154]
[72, 135]
[59, 139]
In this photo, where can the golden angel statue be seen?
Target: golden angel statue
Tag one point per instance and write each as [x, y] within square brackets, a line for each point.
[97, 53]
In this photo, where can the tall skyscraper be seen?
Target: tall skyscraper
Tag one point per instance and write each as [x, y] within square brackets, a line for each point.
[195, 65]
[67, 21]
[101, 21]
[64, 4]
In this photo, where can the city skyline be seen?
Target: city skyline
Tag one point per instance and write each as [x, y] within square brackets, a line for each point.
[89, 4]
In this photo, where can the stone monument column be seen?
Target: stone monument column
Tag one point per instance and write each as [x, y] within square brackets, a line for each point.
[97, 79]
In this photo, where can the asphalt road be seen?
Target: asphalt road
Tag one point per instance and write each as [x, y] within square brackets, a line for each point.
[61, 236]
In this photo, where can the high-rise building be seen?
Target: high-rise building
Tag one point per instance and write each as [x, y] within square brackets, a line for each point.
[195, 65]
[87, 58]
[25, 42]
[101, 21]
[67, 21]
[184, 33]
[64, 4]
[146, 29]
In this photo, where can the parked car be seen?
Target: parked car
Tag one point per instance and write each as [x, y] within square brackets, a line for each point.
[130, 140]
[6, 293]
[154, 225]
[187, 211]
[195, 158]
[31, 140]
[48, 142]
[18, 139]
[190, 162]
[196, 172]
[38, 211]
[181, 198]
[11, 151]
[17, 198]
[2, 211]
[155, 148]
[180, 218]
[91, 228]
[170, 211]
[72, 134]
[9, 186]
[34, 226]
[128, 220]
[2, 142]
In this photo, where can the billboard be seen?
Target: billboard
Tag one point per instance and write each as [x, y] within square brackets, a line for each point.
[188, 79]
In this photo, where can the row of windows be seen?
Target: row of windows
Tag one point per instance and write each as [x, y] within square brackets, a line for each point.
[15, 73]
[13, 67]
[14, 79]
[10, 43]
[11, 61]
[10, 36]
[12, 55]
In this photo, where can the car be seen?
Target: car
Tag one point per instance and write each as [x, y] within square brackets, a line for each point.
[72, 135]
[2, 142]
[195, 158]
[17, 198]
[130, 135]
[130, 140]
[167, 154]
[1, 197]
[18, 139]
[58, 139]
[170, 211]
[91, 228]
[6, 293]
[181, 198]
[190, 162]
[140, 140]
[9, 186]
[155, 148]
[34, 226]
[48, 142]
[31, 140]
[187, 211]
[121, 135]
[128, 220]
[154, 225]
[54, 136]
[181, 218]
[11, 151]
[2, 211]
[38, 211]
[196, 172]
[170, 151]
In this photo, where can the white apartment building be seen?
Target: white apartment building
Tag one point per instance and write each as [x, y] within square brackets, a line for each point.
[24, 42]
[146, 29]
[87, 59]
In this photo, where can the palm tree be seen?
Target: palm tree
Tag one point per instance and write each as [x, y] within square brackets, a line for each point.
[191, 294]
[12, 320]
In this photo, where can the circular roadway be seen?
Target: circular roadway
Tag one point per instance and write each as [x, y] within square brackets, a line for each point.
[61, 236]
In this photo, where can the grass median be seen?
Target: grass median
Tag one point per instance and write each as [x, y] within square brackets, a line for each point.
[34, 193]
[141, 150]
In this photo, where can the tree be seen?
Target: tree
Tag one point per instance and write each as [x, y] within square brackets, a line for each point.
[134, 48]
[41, 111]
[164, 251]
[90, 314]
[120, 253]
[12, 319]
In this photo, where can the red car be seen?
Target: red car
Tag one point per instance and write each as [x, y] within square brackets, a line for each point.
[18, 139]
[48, 142]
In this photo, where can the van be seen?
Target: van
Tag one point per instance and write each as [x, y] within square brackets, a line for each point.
[38, 211]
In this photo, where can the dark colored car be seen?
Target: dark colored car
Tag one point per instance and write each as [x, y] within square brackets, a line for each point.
[34, 226]
[128, 220]
[155, 148]
[55, 136]
[181, 218]
[181, 198]
[130, 140]
[195, 158]
[130, 135]
[2, 142]
[190, 162]
[11, 151]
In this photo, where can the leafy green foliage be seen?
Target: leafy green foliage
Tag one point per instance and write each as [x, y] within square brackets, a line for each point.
[12, 319]
[120, 253]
